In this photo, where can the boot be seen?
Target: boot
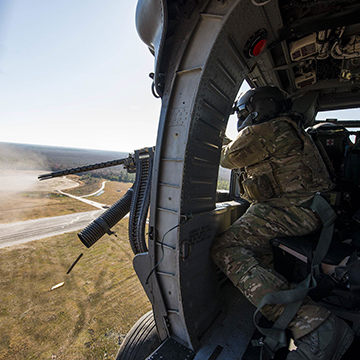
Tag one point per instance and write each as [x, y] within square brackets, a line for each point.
[328, 342]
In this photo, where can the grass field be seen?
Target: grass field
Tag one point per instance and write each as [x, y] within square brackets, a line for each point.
[35, 205]
[39, 199]
[101, 298]
[23, 197]
[88, 186]
[113, 192]
[87, 317]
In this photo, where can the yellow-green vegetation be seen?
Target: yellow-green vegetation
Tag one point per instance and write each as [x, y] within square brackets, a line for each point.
[100, 300]
[114, 190]
[223, 184]
[21, 206]
[87, 185]
[84, 319]
[37, 204]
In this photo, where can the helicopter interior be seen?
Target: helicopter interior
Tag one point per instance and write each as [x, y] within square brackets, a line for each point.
[203, 51]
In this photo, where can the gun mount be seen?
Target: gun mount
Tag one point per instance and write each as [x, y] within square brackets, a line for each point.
[136, 200]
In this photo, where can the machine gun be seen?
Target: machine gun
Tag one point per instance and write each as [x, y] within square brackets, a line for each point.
[128, 163]
[136, 200]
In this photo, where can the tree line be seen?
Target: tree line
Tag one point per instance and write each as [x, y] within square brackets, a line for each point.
[108, 174]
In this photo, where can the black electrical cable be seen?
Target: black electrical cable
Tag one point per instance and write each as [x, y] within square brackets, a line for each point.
[162, 246]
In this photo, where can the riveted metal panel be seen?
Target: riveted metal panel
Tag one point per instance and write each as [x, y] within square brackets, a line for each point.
[205, 71]
[202, 37]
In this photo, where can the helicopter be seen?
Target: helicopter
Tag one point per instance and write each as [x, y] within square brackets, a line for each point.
[203, 51]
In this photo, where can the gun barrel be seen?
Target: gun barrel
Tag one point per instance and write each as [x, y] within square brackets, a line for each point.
[96, 229]
[83, 169]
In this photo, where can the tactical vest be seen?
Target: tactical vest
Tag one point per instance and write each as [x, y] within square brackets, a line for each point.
[300, 174]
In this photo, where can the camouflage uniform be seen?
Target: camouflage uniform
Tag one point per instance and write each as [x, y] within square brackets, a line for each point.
[281, 170]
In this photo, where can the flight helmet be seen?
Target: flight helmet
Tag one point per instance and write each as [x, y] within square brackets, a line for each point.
[261, 104]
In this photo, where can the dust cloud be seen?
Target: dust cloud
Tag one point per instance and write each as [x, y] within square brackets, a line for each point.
[19, 183]
[17, 169]
[13, 157]
[15, 181]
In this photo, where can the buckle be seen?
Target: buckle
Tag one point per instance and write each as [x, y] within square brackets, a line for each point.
[265, 352]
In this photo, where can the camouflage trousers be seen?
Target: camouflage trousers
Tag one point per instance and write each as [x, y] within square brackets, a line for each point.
[244, 254]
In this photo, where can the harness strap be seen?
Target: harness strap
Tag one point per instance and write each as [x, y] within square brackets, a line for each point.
[353, 268]
[293, 298]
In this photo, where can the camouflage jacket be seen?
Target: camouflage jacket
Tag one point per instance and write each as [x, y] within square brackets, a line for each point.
[277, 160]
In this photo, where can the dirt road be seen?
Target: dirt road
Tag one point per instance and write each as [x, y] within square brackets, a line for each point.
[90, 202]
[24, 231]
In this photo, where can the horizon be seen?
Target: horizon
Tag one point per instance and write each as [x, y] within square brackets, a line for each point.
[63, 147]
[350, 114]
[231, 132]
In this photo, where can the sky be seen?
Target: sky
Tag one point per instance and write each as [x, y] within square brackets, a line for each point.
[76, 74]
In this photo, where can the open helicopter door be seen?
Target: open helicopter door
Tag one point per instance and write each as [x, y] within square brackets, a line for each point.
[203, 50]
[204, 71]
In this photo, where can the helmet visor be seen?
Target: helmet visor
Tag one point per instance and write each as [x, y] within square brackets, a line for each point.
[242, 113]
[241, 110]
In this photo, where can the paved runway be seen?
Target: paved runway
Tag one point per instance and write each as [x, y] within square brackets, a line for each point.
[24, 231]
